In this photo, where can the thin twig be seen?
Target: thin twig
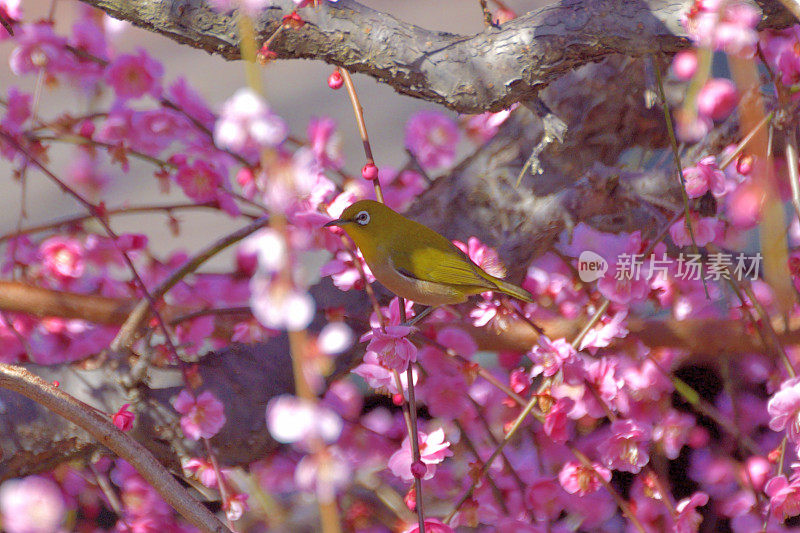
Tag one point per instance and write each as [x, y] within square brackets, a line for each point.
[100, 428]
[676, 156]
[414, 434]
[132, 210]
[362, 127]
[139, 313]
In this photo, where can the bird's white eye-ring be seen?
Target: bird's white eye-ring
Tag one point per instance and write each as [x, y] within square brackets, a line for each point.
[362, 218]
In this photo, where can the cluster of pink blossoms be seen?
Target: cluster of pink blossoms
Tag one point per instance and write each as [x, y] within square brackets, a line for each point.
[608, 413]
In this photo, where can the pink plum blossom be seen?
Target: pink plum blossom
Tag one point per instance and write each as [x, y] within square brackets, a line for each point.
[62, 258]
[334, 338]
[784, 496]
[133, 76]
[788, 63]
[684, 64]
[605, 332]
[704, 230]
[393, 349]
[578, 478]
[267, 247]
[626, 449]
[190, 102]
[344, 272]
[608, 387]
[291, 419]
[326, 143]
[622, 290]
[705, 176]
[153, 131]
[672, 431]
[731, 29]
[278, 308]
[324, 475]
[18, 110]
[555, 422]
[38, 47]
[379, 377]
[202, 417]
[458, 340]
[758, 470]
[202, 470]
[391, 314]
[344, 397]
[481, 128]
[717, 99]
[200, 180]
[691, 128]
[744, 204]
[88, 36]
[444, 395]
[87, 174]
[546, 497]
[246, 123]
[432, 136]
[784, 409]
[688, 520]
[486, 310]
[400, 189]
[433, 449]
[549, 356]
[235, 504]
[33, 504]
[123, 418]
[483, 256]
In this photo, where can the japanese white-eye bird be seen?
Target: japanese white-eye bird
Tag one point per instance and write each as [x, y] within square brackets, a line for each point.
[415, 262]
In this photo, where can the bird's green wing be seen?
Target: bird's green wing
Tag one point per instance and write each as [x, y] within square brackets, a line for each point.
[441, 264]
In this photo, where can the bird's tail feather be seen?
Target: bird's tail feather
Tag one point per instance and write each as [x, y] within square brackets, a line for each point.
[512, 290]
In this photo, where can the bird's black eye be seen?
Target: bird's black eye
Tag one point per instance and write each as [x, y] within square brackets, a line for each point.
[362, 218]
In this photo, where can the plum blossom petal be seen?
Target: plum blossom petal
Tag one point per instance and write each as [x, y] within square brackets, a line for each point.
[291, 419]
[203, 416]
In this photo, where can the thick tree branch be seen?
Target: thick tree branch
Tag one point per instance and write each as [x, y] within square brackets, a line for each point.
[735, 338]
[21, 381]
[469, 74]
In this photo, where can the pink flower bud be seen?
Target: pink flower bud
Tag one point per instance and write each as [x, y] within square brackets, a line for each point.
[370, 171]
[418, 469]
[744, 164]
[410, 499]
[758, 471]
[504, 15]
[684, 65]
[335, 80]
[717, 99]
[86, 129]
[123, 418]
[744, 205]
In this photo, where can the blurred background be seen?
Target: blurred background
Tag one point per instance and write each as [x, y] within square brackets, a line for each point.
[297, 90]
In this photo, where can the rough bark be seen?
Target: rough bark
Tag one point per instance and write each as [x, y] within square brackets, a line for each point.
[488, 71]
[34, 439]
[603, 106]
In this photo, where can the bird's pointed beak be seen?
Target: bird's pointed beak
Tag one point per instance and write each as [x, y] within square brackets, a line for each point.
[338, 222]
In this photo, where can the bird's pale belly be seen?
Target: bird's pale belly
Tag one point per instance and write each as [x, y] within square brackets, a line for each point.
[420, 291]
